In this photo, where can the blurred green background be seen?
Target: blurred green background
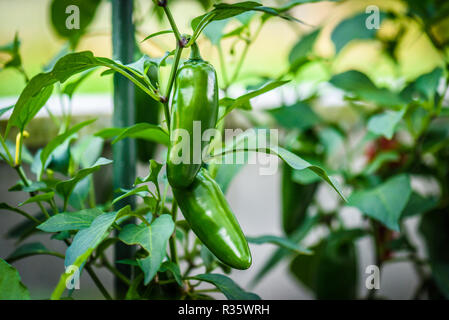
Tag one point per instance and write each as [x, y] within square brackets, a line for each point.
[39, 43]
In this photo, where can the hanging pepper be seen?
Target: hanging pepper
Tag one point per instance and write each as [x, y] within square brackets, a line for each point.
[205, 208]
[195, 105]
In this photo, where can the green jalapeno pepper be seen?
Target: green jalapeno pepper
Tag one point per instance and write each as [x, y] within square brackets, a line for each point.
[195, 104]
[205, 208]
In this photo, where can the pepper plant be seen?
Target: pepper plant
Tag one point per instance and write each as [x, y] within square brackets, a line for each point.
[184, 232]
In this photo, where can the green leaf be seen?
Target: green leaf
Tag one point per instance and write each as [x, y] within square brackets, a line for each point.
[31, 249]
[70, 88]
[80, 193]
[59, 17]
[37, 198]
[154, 170]
[299, 116]
[360, 85]
[6, 109]
[228, 287]
[385, 202]
[417, 204]
[433, 227]
[78, 263]
[300, 52]
[424, 87]
[59, 140]
[353, 28]
[87, 150]
[279, 241]
[385, 124]
[142, 190]
[157, 34]
[59, 160]
[380, 159]
[214, 31]
[293, 211]
[223, 11]
[174, 269]
[226, 173]
[23, 113]
[331, 272]
[70, 220]
[243, 101]
[88, 239]
[35, 186]
[145, 131]
[331, 139]
[247, 141]
[65, 188]
[37, 91]
[299, 234]
[11, 287]
[153, 239]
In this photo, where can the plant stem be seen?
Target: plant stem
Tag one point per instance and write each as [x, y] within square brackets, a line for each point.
[171, 81]
[207, 290]
[172, 22]
[11, 160]
[224, 74]
[115, 272]
[136, 82]
[23, 177]
[92, 200]
[97, 282]
[172, 241]
[245, 52]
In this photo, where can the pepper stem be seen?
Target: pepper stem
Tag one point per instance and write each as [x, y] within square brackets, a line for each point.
[195, 52]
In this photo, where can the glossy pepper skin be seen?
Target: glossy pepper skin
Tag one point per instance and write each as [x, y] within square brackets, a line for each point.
[205, 208]
[195, 99]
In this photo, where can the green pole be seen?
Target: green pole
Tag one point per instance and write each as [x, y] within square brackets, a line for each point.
[124, 151]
